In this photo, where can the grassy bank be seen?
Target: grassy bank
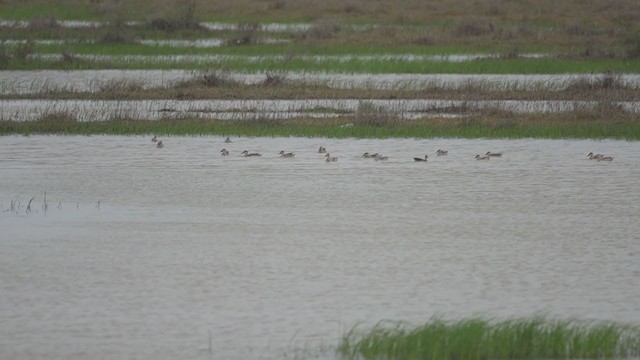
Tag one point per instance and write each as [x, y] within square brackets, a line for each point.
[330, 65]
[600, 124]
[476, 338]
[583, 15]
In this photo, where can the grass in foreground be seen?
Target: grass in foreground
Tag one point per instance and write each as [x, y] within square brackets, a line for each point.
[480, 339]
[599, 124]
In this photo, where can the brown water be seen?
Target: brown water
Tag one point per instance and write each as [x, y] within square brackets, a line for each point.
[277, 258]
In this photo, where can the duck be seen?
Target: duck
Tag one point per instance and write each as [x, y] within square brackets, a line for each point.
[421, 159]
[248, 154]
[605, 158]
[227, 140]
[322, 150]
[286, 155]
[160, 145]
[369, 156]
[330, 158]
[381, 158]
[593, 156]
[224, 152]
[154, 139]
[442, 152]
[490, 154]
[486, 157]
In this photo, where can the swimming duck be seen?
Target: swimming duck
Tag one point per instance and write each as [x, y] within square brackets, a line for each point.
[486, 157]
[490, 154]
[286, 155]
[160, 145]
[421, 159]
[322, 150]
[224, 152]
[247, 154]
[154, 139]
[442, 152]
[330, 158]
[593, 156]
[381, 158]
[369, 156]
[227, 140]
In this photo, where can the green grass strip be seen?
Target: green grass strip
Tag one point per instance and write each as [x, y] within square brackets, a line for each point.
[264, 49]
[486, 66]
[60, 11]
[335, 128]
[481, 339]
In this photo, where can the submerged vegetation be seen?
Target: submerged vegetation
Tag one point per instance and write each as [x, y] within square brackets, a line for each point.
[477, 338]
[608, 87]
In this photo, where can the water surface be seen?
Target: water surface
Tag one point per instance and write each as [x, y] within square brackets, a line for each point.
[144, 252]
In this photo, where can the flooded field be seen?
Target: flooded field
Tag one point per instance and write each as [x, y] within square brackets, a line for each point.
[179, 58]
[33, 82]
[157, 253]
[198, 43]
[213, 26]
[100, 110]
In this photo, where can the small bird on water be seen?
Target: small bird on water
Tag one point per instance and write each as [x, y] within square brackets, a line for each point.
[248, 154]
[286, 155]
[330, 158]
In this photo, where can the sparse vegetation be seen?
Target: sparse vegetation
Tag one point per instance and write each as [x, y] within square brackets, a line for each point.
[217, 84]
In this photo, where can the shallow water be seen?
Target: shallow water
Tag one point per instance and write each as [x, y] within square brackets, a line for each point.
[214, 26]
[99, 110]
[33, 82]
[144, 252]
[197, 43]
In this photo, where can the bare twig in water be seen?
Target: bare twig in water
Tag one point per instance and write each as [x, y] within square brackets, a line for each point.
[29, 204]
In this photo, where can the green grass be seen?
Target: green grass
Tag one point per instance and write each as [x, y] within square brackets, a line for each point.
[266, 49]
[360, 126]
[485, 66]
[60, 11]
[480, 339]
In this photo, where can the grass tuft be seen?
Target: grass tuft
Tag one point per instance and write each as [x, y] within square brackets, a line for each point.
[479, 339]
